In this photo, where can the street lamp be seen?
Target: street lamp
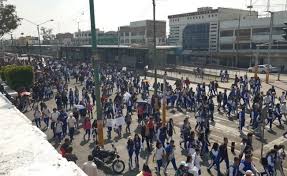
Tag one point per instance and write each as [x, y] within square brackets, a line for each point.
[38, 29]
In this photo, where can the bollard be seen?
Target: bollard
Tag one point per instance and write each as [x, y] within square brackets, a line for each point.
[233, 147]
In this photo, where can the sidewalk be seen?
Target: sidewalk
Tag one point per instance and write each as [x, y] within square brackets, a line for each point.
[172, 75]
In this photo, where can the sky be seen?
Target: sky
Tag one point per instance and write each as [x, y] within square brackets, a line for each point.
[113, 13]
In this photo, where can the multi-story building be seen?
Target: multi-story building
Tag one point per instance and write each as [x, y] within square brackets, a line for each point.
[103, 38]
[141, 33]
[30, 40]
[198, 31]
[63, 39]
[244, 40]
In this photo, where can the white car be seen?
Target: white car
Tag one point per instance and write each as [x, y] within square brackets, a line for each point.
[264, 69]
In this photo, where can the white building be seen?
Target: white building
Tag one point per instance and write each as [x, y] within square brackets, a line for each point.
[83, 37]
[253, 35]
[204, 22]
[141, 33]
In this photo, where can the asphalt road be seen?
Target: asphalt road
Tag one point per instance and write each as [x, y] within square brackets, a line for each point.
[222, 127]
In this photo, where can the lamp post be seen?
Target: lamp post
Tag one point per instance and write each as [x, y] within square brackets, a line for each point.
[154, 49]
[164, 99]
[96, 66]
[38, 30]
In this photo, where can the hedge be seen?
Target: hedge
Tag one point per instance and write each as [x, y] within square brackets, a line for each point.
[17, 76]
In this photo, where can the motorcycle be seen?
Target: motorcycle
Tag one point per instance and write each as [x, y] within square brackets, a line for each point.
[109, 159]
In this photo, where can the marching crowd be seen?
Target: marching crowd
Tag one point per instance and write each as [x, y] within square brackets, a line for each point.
[124, 93]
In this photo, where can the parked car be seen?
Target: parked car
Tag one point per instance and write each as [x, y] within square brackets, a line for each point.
[264, 69]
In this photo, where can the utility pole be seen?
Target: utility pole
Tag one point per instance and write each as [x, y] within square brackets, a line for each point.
[39, 41]
[237, 41]
[155, 60]
[269, 44]
[154, 49]
[264, 115]
[96, 65]
[164, 99]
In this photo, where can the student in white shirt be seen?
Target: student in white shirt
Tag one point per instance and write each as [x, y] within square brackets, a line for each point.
[89, 167]
[71, 125]
[54, 117]
[159, 155]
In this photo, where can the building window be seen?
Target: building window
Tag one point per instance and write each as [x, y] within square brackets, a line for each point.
[226, 46]
[228, 33]
[196, 37]
[260, 31]
[243, 32]
[243, 46]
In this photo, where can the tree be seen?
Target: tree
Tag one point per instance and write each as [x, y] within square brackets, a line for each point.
[8, 19]
[47, 35]
[17, 76]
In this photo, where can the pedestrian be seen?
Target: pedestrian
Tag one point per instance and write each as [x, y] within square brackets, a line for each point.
[242, 119]
[71, 125]
[70, 156]
[37, 117]
[128, 120]
[63, 118]
[137, 144]
[95, 130]
[247, 165]
[54, 118]
[87, 127]
[159, 155]
[169, 149]
[271, 160]
[89, 167]
[71, 98]
[222, 155]
[90, 110]
[278, 114]
[170, 129]
[213, 155]
[234, 168]
[145, 171]
[64, 147]
[59, 130]
[270, 119]
[76, 115]
[46, 115]
[130, 148]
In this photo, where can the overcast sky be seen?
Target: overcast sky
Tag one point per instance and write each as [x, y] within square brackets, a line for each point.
[113, 13]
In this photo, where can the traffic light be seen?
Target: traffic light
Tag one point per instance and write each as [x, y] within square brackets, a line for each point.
[284, 35]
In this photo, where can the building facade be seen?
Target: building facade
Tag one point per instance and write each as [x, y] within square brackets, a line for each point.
[30, 40]
[141, 33]
[243, 41]
[63, 39]
[204, 23]
[103, 38]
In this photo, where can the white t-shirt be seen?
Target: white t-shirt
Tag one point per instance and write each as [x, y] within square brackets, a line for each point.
[159, 153]
[54, 116]
[46, 112]
[59, 126]
[71, 122]
[90, 168]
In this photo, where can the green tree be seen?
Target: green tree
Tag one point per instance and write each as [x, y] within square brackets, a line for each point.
[8, 19]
